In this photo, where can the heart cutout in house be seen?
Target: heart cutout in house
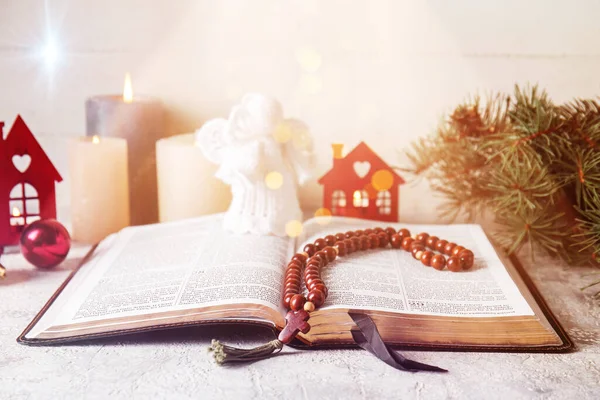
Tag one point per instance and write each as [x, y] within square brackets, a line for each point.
[21, 162]
[362, 168]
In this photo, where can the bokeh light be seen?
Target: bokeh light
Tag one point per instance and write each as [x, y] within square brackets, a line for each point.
[293, 228]
[274, 180]
[382, 179]
[323, 216]
[282, 133]
[309, 59]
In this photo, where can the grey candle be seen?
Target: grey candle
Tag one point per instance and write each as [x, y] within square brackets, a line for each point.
[139, 120]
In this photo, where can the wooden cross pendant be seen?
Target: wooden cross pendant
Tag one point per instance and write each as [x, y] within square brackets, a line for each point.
[295, 322]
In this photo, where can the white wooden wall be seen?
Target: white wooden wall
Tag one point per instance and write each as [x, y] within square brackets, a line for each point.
[389, 69]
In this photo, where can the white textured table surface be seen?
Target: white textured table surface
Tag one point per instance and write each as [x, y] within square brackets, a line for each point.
[175, 364]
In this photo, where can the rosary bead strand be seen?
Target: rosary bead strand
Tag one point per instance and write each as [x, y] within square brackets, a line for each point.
[306, 266]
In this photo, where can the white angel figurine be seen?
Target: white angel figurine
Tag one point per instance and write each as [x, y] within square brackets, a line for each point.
[254, 148]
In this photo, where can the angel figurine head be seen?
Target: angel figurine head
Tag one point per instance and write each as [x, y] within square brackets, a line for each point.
[263, 157]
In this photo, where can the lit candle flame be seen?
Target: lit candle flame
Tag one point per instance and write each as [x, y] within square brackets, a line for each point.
[16, 212]
[127, 89]
[95, 139]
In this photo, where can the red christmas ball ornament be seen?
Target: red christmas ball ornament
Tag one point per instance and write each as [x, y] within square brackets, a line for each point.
[45, 243]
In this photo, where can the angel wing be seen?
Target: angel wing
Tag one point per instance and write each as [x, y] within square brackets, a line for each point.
[213, 139]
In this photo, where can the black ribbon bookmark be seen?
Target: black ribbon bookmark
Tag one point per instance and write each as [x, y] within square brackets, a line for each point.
[367, 336]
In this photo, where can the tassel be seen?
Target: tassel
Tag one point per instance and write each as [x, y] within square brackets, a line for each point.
[227, 354]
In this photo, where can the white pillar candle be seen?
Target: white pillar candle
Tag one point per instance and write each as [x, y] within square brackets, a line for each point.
[187, 186]
[99, 187]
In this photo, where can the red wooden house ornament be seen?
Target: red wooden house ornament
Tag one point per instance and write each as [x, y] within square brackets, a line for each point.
[361, 185]
[27, 182]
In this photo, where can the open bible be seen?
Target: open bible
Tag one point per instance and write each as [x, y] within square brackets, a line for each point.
[192, 272]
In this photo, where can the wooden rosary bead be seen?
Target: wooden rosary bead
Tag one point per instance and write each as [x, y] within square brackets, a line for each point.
[396, 241]
[297, 302]
[309, 306]
[294, 266]
[339, 236]
[341, 247]
[404, 233]
[295, 262]
[368, 231]
[318, 286]
[320, 244]
[416, 249]
[286, 300]
[295, 280]
[330, 240]
[407, 242]
[421, 242]
[466, 258]
[314, 261]
[291, 286]
[312, 276]
[384, 240]
[316, 297]
[358, 232]
[312, 269]
[456, 251]
[349, 246]
[356, 243]
[293, 271]
[440, 245]
[374, 239]
[419, 253]
[438, 262]
[290, 293]
[330, 253]
[453, 264]
[390, 232]
[422, 237]
[321, 254]
[426, 257]
[300, 257]
[431, 242]
[311, 249]
[365, 243]
[448, 248]
[378, 230]
[309, 280]
[349, 234]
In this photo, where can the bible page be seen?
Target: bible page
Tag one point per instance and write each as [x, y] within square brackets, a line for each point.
[174, 266]
[392, 280]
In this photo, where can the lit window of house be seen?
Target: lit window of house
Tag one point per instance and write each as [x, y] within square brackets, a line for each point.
[360, 198]
[24, 204]
[384, 202]
[338, 200]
